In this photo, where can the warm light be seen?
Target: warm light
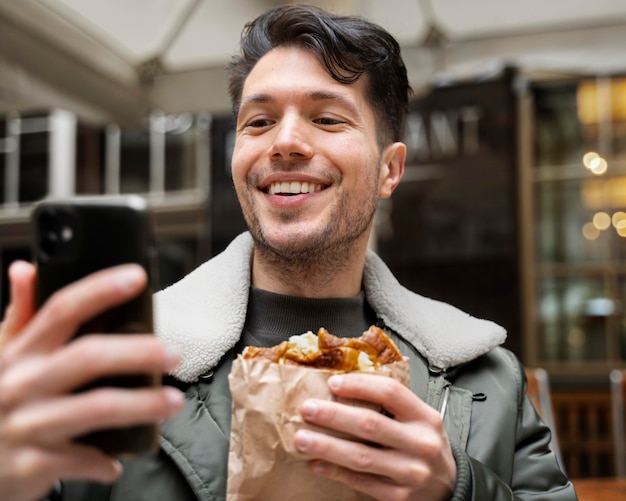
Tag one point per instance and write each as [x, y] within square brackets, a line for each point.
[618, 218]
[590, 232]
[587, 102]
[599, 193]
[601, 220]
[621, 228]
[593, 193]
[598, 166]
[588, 96]
[588, 158]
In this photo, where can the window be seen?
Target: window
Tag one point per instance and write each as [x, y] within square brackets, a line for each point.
[579, 230]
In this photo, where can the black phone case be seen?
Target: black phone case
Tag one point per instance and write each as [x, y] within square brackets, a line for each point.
[77, 236]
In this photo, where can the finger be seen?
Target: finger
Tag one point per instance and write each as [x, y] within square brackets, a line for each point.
[375, 486]
[354, 456]
[409, 466]
[374, 427]
[38, 469]
[396, 398]
[80, 462]
[366, 468]
[22, 300]
[82, 361]
[61, 419]
[60, 317]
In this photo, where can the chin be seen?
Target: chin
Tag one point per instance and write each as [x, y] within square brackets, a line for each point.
[293, 243]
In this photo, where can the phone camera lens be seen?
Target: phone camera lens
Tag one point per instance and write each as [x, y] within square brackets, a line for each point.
[57, 233]
[50, 243]
[66, 233]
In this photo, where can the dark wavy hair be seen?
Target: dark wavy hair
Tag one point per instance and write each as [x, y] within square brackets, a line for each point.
[347, 46]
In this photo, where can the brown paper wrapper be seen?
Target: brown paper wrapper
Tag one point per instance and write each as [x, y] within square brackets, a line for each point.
[263, 463]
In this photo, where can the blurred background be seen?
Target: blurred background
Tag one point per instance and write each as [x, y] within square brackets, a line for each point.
[513, 206]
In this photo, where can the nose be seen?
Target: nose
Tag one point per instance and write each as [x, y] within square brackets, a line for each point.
[291, 139]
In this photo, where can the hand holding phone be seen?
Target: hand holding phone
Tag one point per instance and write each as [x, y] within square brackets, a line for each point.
[42, 363]
[76, 237]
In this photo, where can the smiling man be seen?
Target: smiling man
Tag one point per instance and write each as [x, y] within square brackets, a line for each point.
[308, 171]
[319, 101]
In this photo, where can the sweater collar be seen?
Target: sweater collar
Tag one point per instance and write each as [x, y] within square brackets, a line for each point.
[280, 316]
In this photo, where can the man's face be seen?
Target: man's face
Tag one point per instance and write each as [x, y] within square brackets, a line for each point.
[306, 165]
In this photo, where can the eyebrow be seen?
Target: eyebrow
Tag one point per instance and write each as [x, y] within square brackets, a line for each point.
[262, 98]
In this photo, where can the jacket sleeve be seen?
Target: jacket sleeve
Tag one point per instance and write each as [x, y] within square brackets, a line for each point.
[536, 474]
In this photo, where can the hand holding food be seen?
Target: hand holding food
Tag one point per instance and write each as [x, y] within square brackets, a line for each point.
[269, 385]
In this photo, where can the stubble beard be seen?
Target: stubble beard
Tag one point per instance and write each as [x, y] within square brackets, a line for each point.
[319, 254]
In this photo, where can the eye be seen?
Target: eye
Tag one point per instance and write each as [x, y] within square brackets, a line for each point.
[329, 121]
[259, 123]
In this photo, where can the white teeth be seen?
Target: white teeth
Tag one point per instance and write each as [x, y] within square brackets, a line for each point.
[293, 188]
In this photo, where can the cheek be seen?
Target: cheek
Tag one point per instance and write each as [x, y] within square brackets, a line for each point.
[365, 165]
[237, 166]
[353, 159]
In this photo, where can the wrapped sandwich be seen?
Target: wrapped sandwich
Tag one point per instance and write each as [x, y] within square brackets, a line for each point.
[268, 387]
[370, 352]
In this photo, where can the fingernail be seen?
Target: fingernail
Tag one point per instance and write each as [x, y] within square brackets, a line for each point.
[174, 397]
[17, 267]
[128, 276]
[309, 408]
[303, 440]
[335, 382]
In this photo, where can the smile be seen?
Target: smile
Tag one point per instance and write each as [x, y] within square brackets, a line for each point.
[293, 188]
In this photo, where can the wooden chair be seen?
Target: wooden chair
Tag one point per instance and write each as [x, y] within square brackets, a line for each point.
[538, 391]
[618, 390]
[583, 417]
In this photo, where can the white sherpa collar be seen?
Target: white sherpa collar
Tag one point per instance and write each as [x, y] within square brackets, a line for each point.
[202, 315]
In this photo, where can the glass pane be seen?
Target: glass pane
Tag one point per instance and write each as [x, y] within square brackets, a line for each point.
[602, 113]
[571, 227]
[558, 132]
[135, 161]
[619, 141]
[90, 150]
[180, 153]
[574, 313]
[34, 158]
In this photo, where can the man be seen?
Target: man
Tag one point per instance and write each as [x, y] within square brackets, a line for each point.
[319, 102]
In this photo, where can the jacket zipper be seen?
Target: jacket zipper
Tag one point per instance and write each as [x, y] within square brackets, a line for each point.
[444, 403]
[439, 372]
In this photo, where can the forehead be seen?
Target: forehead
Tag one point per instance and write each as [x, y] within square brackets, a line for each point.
[292, 70]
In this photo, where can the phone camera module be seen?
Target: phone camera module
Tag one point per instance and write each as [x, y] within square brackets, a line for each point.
[56, 234]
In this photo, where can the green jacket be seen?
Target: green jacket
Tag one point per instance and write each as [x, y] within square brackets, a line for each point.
[499, 442]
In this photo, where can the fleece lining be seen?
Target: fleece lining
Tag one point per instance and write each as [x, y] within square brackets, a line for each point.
[202, 315]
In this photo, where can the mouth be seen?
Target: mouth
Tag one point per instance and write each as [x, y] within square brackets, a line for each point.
[293, 188]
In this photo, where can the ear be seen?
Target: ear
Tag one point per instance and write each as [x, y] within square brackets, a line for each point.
[392, 168]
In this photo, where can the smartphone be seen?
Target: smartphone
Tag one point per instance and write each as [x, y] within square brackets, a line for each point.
[76, 236]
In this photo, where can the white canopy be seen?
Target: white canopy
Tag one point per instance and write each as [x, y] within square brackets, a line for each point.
[118, 59]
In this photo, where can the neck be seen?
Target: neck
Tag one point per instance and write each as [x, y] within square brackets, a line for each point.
[322, 275]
